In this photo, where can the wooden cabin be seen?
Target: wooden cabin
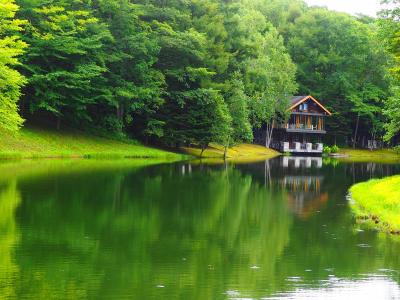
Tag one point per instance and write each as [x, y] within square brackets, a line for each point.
[304, 130]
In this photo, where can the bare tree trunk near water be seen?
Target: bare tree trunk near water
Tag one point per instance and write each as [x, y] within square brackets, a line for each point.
[225, 152]
[356, 131]
[203, 148]
[268, 133]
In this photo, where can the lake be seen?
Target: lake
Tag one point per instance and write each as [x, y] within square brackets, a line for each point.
[82, 229]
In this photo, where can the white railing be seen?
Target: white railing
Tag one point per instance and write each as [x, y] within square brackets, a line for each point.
[302, 147]
[301, 126]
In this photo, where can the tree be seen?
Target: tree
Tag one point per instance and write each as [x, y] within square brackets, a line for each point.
[134, 84]
[193, 110]
[340, 60]
[196, 117]
[259, 54]
[66, 59]
[281, 13]
[392, 112]
[238, 107]
[390, 31]
[11, 81]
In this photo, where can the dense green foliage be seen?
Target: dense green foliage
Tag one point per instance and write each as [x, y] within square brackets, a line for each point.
[10, 80]
[390, 31]
[341, 62]
[65, 60]
[194, 72]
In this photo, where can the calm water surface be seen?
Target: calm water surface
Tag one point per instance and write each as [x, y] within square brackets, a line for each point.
[115, 230]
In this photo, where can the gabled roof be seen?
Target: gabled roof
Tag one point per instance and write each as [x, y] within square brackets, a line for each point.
[297, 100]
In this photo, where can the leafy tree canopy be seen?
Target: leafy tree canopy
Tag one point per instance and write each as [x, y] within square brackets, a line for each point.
[11, 81]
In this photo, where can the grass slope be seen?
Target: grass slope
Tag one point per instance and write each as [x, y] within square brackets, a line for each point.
[40, 143]
[379, 156]
[239, 153]
[378, 201]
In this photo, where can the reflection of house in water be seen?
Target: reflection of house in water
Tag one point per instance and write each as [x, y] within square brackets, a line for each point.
[298, 162]
[303, 185]
[304, 194]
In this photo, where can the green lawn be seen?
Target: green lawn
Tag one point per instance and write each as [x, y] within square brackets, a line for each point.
[245, 153]
[40, 143]
[379, 156]
[378, 201]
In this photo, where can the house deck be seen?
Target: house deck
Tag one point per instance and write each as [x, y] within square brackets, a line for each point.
[302, 148]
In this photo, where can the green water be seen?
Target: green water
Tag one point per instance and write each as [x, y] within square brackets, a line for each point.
[118, 230]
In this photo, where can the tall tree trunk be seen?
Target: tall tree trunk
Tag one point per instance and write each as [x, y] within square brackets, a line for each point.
[228, 142]
[225, 152]
[268, 134]
[120, 112]
[356, 131]
[203, 148]
[271, 132]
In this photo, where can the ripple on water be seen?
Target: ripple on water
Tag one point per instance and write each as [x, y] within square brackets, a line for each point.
[364, 246]
[374, 287]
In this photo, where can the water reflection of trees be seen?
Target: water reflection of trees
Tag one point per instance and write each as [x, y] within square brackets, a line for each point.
[198, 232]
[321, 239]
[9, 238]
[129, 231]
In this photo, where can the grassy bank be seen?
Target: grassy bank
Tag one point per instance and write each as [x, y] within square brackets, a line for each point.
[40, 143]
[380, 156]
[378, 203]
[239, 153]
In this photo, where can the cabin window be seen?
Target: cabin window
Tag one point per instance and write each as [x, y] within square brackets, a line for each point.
[303, 107]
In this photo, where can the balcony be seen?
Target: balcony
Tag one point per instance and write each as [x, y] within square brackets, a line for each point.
[303, 128]
[297, 147]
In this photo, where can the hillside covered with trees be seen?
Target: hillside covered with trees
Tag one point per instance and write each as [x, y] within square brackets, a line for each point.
[179, 72]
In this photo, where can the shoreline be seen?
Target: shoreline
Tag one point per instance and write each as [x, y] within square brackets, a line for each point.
[363, 155]
[35, 143]
[243, 153]
[38, 143]
[376, 203]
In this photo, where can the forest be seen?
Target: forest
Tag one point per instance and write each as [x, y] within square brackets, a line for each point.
[180, 72]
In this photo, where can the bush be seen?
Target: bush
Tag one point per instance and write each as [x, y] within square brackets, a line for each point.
[327, 150]
[334, 149]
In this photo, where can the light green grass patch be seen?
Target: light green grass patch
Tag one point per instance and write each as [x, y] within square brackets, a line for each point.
[41, 143]
[378, 201]
[245, 153]
[378, 156]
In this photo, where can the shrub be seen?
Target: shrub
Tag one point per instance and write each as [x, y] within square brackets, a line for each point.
[334, 149]
[327, 150]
